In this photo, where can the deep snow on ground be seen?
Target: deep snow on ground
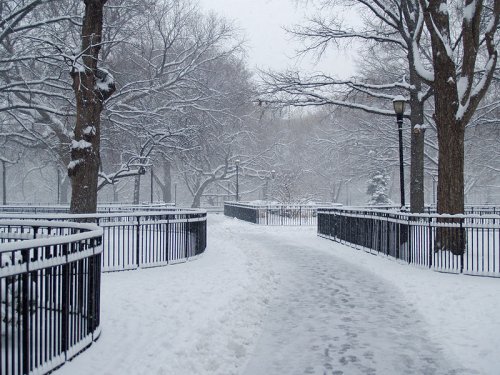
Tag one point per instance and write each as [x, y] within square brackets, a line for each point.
[279, 300]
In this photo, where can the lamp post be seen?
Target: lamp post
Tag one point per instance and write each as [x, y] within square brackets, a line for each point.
[399, 109]
[237, 162]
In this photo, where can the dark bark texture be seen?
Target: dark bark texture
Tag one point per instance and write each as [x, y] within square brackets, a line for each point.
[453, 110]
[417, 197]
[85, 150]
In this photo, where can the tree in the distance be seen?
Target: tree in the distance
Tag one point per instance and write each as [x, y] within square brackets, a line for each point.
[377, 188]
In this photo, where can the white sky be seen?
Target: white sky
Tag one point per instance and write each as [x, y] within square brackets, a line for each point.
[268, 45]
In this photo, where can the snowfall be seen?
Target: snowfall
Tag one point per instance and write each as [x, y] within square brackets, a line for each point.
[281, 300]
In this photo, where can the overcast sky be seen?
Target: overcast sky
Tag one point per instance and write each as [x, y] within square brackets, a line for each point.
[268, 44]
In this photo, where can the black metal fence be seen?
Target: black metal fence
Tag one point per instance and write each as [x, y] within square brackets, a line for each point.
[134, 240]
[468, 243]
[272, 214]
[49, 293]
[101, 208]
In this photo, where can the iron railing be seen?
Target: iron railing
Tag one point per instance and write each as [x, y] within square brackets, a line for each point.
[134, 240]
[277, 214]
[49, 293]
[468, 243]
[101, 208]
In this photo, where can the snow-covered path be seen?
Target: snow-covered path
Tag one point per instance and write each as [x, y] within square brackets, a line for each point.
[265, 301]
[330, 317]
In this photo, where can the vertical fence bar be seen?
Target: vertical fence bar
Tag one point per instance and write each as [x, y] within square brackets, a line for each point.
[138, 242]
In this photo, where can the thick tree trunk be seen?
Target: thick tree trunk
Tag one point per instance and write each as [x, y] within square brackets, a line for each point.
[417, 198]
[450, 130]
[85, 148]
[450, 188]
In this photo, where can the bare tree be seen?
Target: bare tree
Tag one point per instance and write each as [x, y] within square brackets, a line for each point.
[393, 26]
[462, 70]
[92, 86]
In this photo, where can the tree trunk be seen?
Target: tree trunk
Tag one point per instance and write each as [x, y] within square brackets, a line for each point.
[63, 199]
[85, 148]
[450, 188]
[115, 194]
[167, 181]
[199, 193]
[4, 183]
[137, 189]
[417, 198]
[196, 200]
[450, 131]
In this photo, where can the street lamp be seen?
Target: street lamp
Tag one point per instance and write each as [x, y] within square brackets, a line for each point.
[237, 162]
[399, 109]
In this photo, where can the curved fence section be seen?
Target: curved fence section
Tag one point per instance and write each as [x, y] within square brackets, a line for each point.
[468, 243]
[276, 214]
[134, 240]
[101, 208]
[49, 293]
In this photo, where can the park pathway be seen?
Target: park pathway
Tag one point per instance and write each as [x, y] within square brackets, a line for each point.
[278, 301]
[329, 317]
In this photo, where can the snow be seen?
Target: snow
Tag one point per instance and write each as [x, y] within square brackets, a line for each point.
[469, 11]
[80, 145]
[462, 85]
[104, 80]
[73, 163]
[419, 127]
[281, 300]
[399, 98]
[443, 8]
[89, 130]
[419, 67]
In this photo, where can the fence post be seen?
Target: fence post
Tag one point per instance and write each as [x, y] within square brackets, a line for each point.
[430, 242]
[187, 239]
[138, 242]
[408, 240]
[25, 314]
[65, 303]
[462, 246]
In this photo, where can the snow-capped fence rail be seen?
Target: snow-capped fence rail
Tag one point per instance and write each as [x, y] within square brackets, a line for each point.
[49, 293]
[142, 239]
[276, 214]
[414, 238]
[101, 208]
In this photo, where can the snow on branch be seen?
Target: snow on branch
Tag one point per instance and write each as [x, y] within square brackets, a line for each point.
[290, 89]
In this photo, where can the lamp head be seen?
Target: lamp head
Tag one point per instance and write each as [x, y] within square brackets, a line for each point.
[399, 105]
